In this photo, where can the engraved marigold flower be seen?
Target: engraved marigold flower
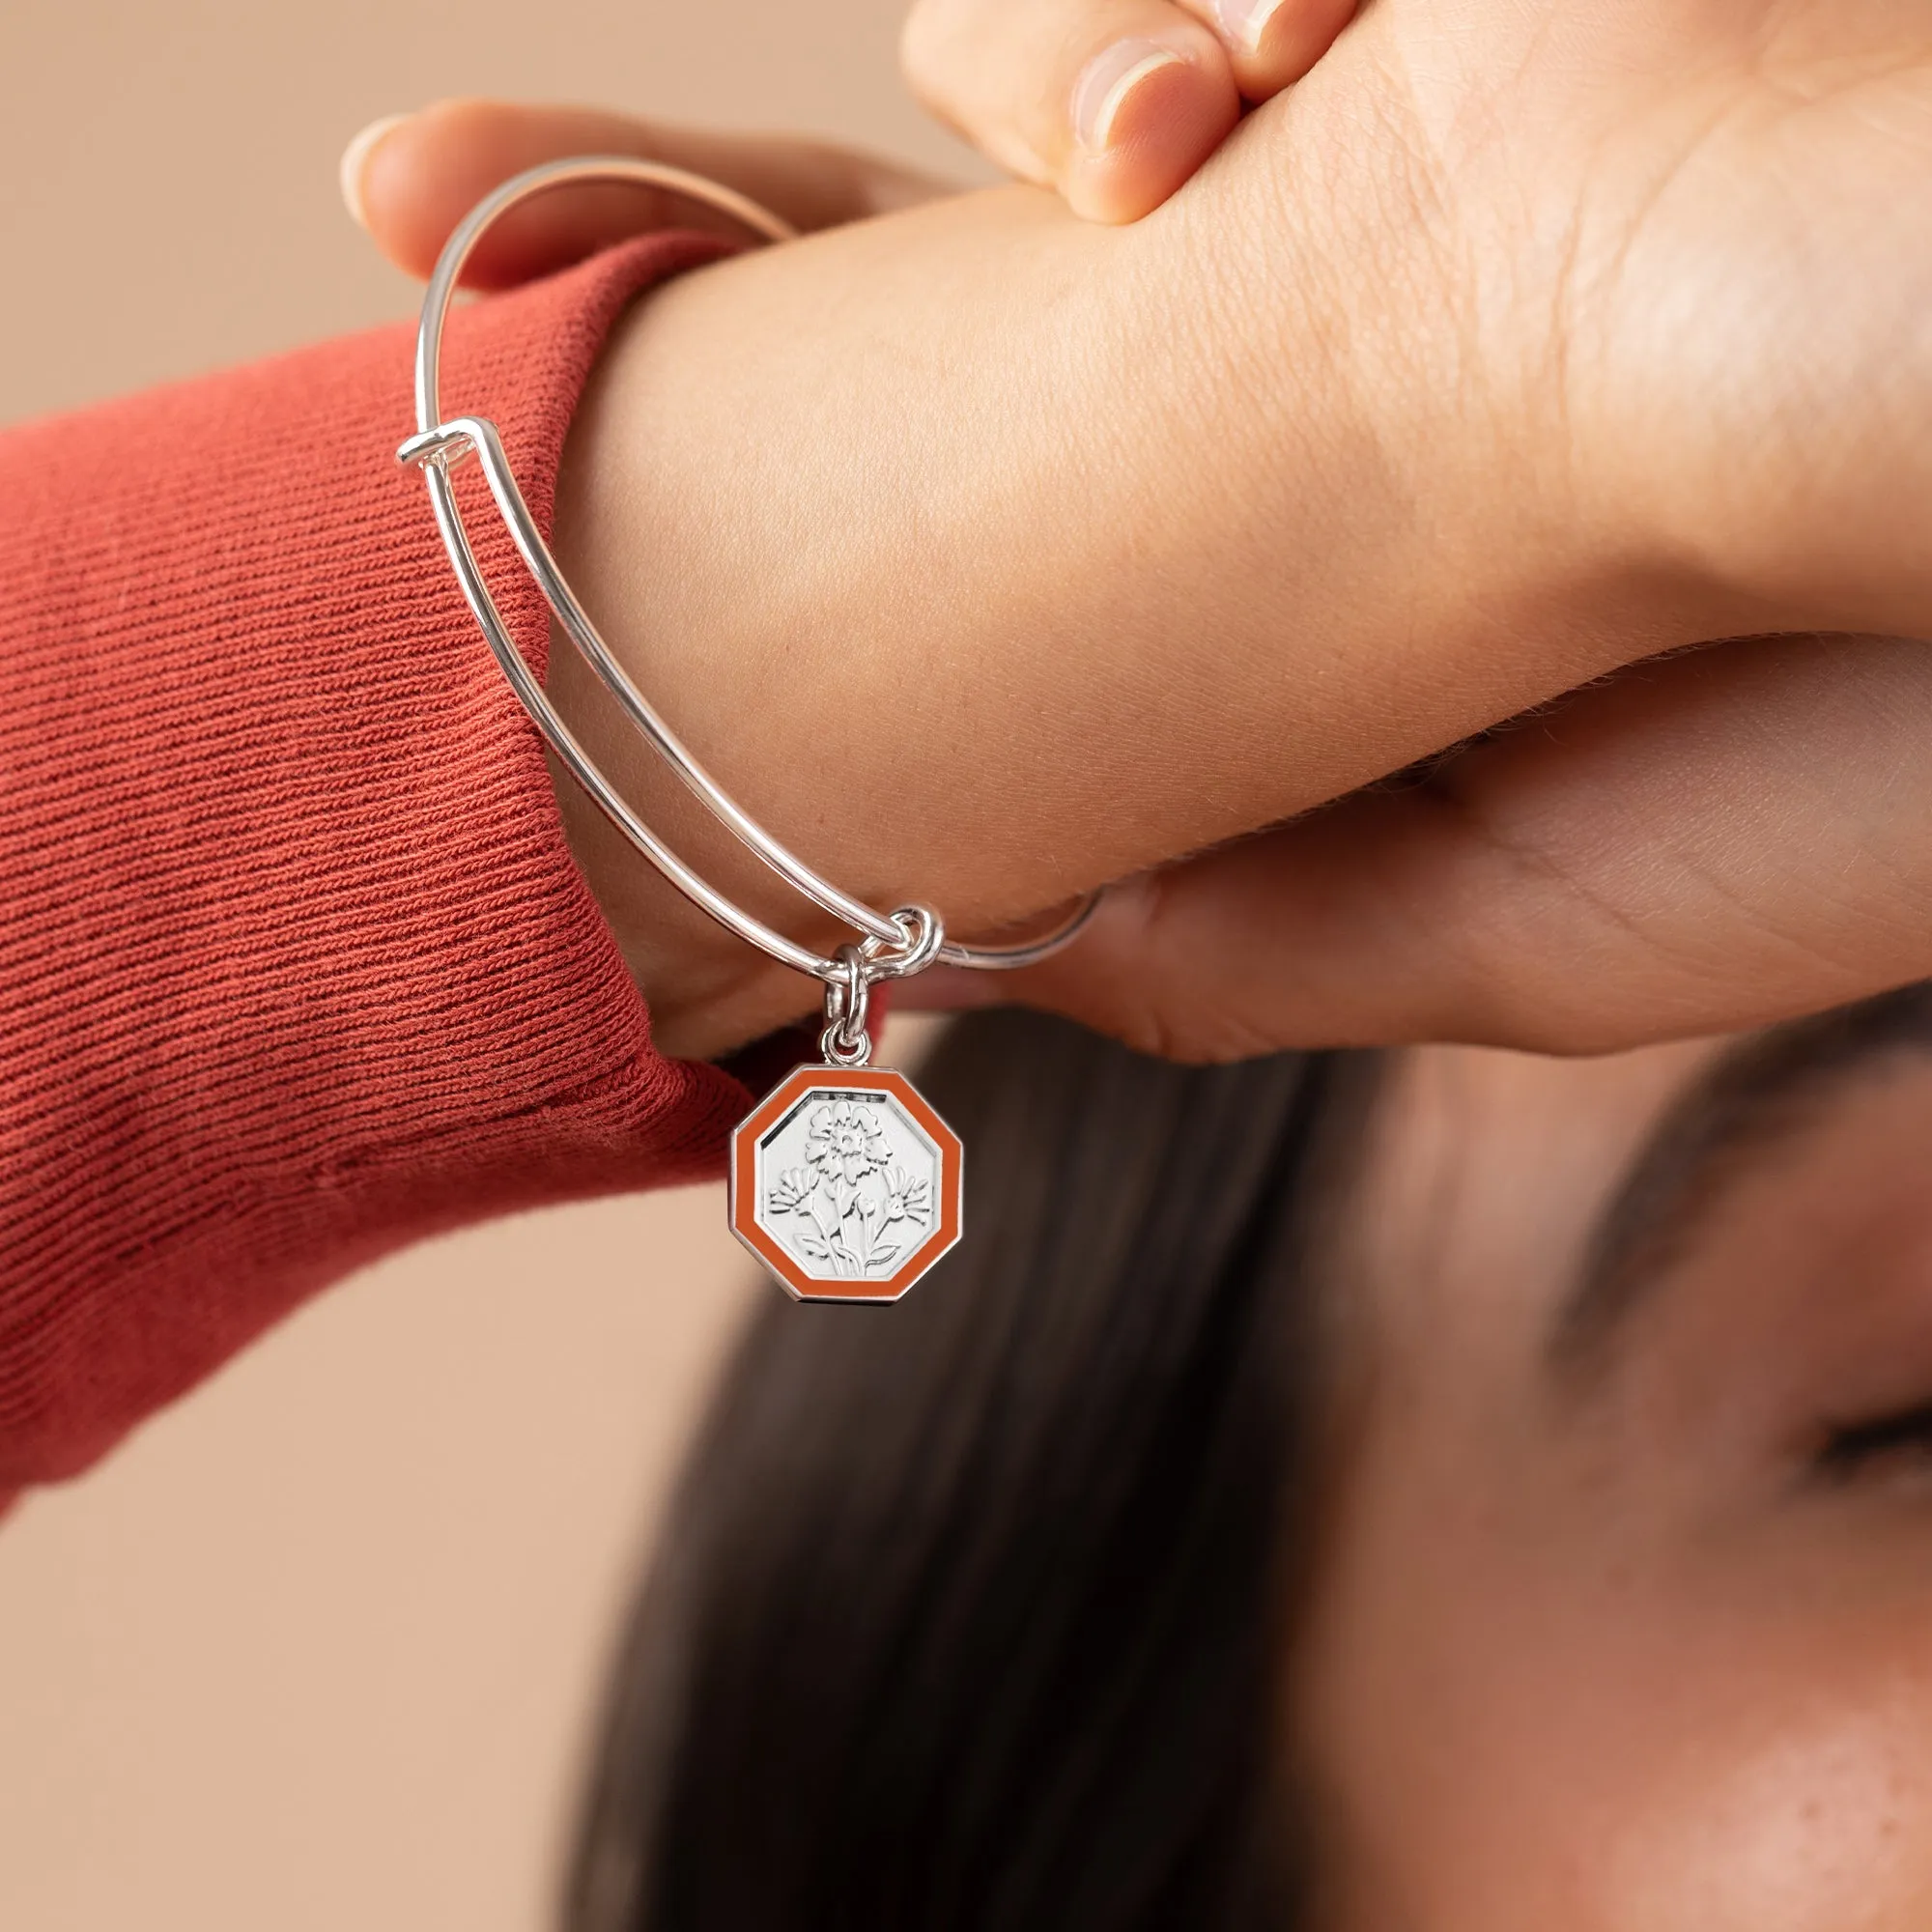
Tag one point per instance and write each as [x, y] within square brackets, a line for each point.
[844, 1139]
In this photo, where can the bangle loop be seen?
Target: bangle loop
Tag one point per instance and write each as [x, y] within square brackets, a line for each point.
[892, 945]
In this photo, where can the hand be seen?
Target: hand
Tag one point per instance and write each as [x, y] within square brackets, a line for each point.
[1114, 102]
[1726, 840]
[1715, 842]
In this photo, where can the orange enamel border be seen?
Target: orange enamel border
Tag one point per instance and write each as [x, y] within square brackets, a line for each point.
[743, 1180]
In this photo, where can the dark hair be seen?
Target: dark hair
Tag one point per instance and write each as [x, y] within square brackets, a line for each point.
[971, 1610]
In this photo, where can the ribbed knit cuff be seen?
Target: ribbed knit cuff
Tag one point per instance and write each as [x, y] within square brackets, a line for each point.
[296, 966]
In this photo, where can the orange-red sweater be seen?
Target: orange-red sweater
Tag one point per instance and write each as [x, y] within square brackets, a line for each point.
[295, 966]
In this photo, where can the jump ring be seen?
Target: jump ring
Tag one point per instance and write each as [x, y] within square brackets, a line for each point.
[847, 999]
[836, 1052]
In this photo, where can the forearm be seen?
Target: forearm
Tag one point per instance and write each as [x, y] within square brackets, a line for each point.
[908, 527]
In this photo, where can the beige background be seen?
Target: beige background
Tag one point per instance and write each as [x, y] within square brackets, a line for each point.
[316, 1649]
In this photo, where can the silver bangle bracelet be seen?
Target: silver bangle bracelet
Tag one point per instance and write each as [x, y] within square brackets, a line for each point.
[844, 1182]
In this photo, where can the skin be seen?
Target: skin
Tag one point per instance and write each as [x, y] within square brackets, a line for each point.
[1113, 102]
[1545, 473]
[1006, 372]
[1629, 1625]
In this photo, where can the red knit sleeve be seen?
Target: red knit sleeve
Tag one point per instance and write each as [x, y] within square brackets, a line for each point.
[294, 965]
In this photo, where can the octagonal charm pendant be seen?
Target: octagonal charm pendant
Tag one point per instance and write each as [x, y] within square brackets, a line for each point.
[846, 1183]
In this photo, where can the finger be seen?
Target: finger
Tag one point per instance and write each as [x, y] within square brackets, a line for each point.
[1114, 102]
[1712, 844]
[1273, 44]
[411, 179]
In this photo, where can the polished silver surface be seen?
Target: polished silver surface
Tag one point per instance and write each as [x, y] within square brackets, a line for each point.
[894, 944]
[848, 1184]
[845, 1040]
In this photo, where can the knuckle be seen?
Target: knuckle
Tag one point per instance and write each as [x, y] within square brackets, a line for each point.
[1170, 1005]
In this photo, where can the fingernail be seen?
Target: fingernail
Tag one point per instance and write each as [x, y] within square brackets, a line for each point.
[356, 158]
[1245, 21]
[1107, 81]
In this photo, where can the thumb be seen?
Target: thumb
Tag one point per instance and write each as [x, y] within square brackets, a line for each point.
[409, 179]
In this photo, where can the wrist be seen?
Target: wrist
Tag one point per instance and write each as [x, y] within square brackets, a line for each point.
[985, 555]
[781, 500]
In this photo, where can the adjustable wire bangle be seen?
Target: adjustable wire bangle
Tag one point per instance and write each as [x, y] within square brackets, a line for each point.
[844, 1182]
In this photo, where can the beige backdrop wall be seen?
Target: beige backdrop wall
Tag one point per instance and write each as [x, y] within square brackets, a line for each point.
[315, 1650]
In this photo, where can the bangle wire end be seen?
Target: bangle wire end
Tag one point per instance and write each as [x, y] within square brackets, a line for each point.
[447, 447]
